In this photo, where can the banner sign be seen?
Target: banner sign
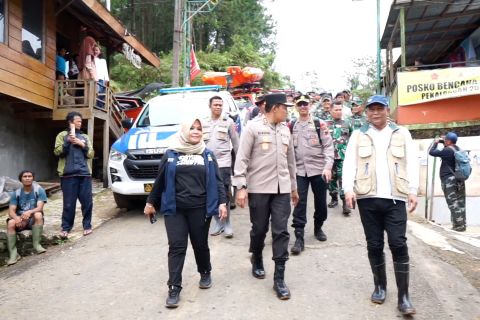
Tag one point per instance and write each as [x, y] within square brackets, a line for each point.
[431, 85]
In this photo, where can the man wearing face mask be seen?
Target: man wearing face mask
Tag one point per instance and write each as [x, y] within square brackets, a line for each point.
[265, 172]
[314, 159]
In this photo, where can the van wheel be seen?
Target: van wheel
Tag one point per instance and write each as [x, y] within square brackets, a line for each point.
[123, 201]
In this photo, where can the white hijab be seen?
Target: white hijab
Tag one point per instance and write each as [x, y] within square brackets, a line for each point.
[181, 141]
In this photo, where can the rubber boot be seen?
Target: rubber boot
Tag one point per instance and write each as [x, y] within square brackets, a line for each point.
[258, 270]
[345, 209]
[279, 285]
[402, 275]
[379, 279]
[12, 249]
[299, 245]
[228, 231]
[334, 201]
[218, 227]
[173, 296]
[36, 237]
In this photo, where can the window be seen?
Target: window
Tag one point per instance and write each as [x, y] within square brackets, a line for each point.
[32, 29]
[2, 20]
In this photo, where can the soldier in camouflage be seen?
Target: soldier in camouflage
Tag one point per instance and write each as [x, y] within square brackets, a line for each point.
[340, 130]
[358, 119]
[453, 189]
[323, 112]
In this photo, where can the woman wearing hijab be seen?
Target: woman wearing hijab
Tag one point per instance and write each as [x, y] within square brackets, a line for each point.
[188, 191]
[86, 59]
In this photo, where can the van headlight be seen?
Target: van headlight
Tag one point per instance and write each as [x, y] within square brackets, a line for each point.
[116, 155]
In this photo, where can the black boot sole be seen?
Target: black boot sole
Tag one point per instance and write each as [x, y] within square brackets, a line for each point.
[407, 312]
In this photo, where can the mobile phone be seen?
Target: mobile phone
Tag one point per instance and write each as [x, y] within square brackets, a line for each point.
[153, 218]
[353, 204]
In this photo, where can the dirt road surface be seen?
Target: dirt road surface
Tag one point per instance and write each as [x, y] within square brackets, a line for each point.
[120, 272]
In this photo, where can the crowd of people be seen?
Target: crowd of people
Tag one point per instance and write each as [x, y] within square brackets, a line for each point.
[288, 145]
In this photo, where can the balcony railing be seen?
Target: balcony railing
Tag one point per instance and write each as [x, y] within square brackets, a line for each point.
[91, 100]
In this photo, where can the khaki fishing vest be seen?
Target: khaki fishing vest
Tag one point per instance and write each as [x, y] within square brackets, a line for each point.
[365, 179]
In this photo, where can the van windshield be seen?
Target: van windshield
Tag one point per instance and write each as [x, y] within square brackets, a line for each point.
[173, 111]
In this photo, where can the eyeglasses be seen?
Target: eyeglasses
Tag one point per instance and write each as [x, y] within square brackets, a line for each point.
[302, 104]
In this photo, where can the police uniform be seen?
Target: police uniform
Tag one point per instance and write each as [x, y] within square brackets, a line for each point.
[265, 166]
[340, 131]
[221, 136]
[313, 153]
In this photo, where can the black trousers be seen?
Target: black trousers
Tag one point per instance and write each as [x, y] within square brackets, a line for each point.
[319, 188]
[379, 215]
[179, 226]
[274, 207]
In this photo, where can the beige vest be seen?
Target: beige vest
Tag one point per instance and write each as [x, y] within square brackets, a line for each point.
[365, 179]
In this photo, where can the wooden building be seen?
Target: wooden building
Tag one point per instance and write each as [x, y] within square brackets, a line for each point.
[32, 108]
[435, 83]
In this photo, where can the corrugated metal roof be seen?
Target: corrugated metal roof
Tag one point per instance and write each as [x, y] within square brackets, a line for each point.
[432, 27]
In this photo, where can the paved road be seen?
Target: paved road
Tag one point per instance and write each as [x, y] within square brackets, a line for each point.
[120, 272]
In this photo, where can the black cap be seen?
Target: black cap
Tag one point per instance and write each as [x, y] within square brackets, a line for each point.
[277, 98]
[260, 99]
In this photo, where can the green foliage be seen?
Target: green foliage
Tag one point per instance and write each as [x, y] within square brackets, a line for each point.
[235, 33]
[363, 80]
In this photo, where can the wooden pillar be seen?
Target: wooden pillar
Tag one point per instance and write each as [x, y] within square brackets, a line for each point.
[402, 37]
[106, 137]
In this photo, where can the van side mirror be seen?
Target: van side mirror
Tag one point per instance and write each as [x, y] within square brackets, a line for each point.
[127, 123]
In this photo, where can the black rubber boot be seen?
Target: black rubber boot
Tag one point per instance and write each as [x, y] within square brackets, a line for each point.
[402, 275]
[279, 285]
[173, 296]
[345, 209]
[334, 201]
[379, 279]
[257, 266]
[299, 245]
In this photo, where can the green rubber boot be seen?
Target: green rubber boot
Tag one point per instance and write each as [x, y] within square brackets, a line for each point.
[12, 249]
[36, 237]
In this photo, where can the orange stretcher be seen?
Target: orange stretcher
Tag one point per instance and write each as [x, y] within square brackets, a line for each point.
[238, 75]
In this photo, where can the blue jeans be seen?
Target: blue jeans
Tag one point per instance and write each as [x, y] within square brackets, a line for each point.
[319, 188]
[73, 188]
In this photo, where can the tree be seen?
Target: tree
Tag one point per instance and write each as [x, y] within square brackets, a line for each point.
[363, 80]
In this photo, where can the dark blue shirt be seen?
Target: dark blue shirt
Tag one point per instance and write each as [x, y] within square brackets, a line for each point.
[447, 154]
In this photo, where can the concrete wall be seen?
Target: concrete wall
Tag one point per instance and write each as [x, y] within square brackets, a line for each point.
[26, 144]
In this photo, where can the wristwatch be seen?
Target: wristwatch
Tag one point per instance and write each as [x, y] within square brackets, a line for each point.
[244, 186]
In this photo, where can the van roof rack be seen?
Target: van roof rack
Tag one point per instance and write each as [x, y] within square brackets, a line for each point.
[190, 89]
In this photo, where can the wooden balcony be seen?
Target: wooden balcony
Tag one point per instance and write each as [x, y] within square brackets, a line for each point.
[97, 104]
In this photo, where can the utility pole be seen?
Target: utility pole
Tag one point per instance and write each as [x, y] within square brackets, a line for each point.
[177, 41]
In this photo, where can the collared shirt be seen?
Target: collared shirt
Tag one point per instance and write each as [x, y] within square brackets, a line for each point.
[220, 136]
[312, 155]
[381, 141]
[266, 161]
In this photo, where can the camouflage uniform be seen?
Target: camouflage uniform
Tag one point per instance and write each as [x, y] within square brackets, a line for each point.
[357, 120]
[340, 130]
[454, 192]
[323, 115]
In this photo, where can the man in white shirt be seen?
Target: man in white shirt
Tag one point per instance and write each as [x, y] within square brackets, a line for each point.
[381, 171]
[102, 74]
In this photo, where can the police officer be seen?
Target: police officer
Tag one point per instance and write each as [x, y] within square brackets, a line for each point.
[340, 131]
[314, 159]
[265, 171]
[220, 136]
[381, 171]
[358, 119]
